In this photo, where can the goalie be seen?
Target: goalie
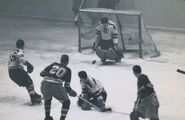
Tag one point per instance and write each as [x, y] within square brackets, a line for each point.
[106, 44]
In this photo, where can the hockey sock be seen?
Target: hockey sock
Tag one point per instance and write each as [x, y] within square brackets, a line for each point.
[47, 107]
[30, 89]
[65, 109]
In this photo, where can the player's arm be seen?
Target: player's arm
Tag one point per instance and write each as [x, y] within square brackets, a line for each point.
[46, 70]
[98, 36]
[84, 88]
[115, 36]
[67, 83]
[20, 58]
[144, 88]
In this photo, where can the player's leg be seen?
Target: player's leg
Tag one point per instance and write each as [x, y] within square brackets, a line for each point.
[60, 93]
[45, 90]
[65, 108]
[47, 108]
[99, 102]
[16, 76]
[35, 98]
[101, 54]
[153, 108]
[85, 105]
[21, 78]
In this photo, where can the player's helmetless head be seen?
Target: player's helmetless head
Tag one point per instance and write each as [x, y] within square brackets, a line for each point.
[82, 75]
[104, 20]
[64, 59]
[20, 43]
[136, 70]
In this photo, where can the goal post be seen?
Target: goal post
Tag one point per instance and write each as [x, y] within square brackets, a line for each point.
[86, 32]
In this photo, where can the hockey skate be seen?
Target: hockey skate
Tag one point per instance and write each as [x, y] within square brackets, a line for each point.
[36, 99]
[103, 61]
[48, 118]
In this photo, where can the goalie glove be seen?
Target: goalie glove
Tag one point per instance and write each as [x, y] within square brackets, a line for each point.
[72, 93]
[29, 67]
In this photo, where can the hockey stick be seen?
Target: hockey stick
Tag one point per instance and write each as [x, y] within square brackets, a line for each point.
[124, 113]
[94, 106]
[77, 16]
[93, 52]
[180, 71]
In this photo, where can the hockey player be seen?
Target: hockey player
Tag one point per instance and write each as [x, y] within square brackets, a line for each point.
[55, 75]
[19, 75]
[106, 44]
[147, 104]
[92, 91]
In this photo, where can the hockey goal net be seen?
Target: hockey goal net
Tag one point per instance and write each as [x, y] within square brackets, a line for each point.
[133, 36]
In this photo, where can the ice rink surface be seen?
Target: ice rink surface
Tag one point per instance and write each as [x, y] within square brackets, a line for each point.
[47, 40]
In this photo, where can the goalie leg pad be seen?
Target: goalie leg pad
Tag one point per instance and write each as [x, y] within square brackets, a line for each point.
[111, 54]
[101, 54]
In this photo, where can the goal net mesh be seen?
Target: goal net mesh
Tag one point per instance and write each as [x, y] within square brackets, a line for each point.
[128, 30]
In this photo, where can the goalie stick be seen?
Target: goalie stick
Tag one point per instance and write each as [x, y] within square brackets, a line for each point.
[77, 16]
[94, 106]
[180, 71]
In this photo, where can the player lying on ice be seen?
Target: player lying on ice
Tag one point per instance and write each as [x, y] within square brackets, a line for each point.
[106, 44]
[93, 92]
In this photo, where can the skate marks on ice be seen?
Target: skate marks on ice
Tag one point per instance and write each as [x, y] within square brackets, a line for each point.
[16, 100]
[30, 104]
[8, 99]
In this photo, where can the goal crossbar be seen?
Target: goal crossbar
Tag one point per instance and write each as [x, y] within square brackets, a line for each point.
[104, 10]
[135, 13]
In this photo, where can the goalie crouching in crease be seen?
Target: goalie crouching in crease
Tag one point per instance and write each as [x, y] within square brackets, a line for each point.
[106, 44]
[92, 91]
[17, 73]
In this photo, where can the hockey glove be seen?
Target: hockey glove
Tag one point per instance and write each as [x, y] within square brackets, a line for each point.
[29, 67]
[72, 93]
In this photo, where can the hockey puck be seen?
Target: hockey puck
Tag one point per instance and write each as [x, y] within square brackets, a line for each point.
[94, 61]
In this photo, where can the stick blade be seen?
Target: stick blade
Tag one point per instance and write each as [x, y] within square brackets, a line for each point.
[107, 109]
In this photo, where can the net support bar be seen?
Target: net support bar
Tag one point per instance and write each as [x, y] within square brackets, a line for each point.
[118, 12]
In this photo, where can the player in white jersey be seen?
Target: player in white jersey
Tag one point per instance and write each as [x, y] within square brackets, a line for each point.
[92, 90]
[106, 44]
[18, 74]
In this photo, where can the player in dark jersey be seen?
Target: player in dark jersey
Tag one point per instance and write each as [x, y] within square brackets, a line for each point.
[55, 75]
[147, 104]
[106, 44]
[19, 75]
[92, 91]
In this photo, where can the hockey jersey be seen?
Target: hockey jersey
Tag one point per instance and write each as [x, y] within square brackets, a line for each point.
[145, 87]
[107, 31]
[57, 73]
[16, 59]
[92, 86]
